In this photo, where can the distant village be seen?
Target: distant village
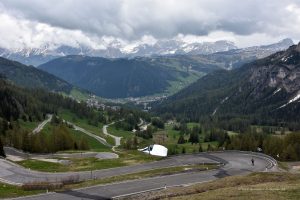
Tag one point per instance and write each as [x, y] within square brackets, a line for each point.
[145, 101]
[94, 102]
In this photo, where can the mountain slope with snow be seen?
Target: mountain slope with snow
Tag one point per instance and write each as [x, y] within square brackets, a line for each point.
[115, 49]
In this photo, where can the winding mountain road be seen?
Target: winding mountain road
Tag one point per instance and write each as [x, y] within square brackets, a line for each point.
[100, 139]
[21, 155]
[233, 163]
[42, 124]
[117, 139]
[77, 128]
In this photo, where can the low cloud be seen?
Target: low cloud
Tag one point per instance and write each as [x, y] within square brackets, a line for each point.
[90, 21]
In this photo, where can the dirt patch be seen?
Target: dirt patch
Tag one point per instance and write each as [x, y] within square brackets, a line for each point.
[14, 158]
[160, 137]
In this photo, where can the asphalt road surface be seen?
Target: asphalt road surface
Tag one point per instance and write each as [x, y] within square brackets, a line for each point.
[12, 152]
[117, 139]
[234, 163]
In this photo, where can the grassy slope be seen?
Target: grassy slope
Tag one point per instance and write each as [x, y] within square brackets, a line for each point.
[10, 191]
[48, 129]
[94, 144]
[119, 132]
[256, 186]
[269, 186]
[69, 116]
[83, 164]
[183, 82]
[173, 137]
[78, 95]
[28, 125]
[87, 164]
[83, 123]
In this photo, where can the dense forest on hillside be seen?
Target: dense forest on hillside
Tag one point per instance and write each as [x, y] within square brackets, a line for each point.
[264, 92]
[31, 77]
[119, 78]
[32, 105]
[277, 142]
[205, 101]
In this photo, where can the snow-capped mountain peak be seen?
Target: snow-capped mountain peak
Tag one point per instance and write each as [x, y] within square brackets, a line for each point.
[115, 49]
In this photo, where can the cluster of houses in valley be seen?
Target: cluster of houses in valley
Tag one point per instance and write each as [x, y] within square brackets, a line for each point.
[94, 102]
[145, 101]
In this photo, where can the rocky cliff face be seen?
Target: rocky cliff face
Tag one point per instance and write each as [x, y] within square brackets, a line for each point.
[280, 71]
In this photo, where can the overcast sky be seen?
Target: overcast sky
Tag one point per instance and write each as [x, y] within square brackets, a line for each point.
[32, 23]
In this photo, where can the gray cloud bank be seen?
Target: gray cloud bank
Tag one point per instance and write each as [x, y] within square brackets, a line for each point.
[130, 20]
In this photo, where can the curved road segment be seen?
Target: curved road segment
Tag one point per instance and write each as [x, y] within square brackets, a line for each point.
[117, 139]
[98, 138]
[233, 163]
[12, 152]
[41, 125]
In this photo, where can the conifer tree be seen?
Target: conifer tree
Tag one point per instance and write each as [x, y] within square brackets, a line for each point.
[2, 153]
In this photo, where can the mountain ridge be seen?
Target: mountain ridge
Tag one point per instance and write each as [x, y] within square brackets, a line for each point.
[115, 78]
[114, 49]
[31, 77]
[103, 76]
[264, 90]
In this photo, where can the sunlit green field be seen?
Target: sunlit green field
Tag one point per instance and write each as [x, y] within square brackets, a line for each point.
[86, 164]
[83, 123]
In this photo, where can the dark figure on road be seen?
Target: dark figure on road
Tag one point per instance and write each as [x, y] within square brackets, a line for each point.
[252, 161]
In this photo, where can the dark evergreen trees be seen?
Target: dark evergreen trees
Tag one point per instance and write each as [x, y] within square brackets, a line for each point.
[183, 150]
[2, 153]
[200, 148]
[209, 148]
[114, 78]
[194, 135]
[157, 122]
[236, 99]
[181, 139]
